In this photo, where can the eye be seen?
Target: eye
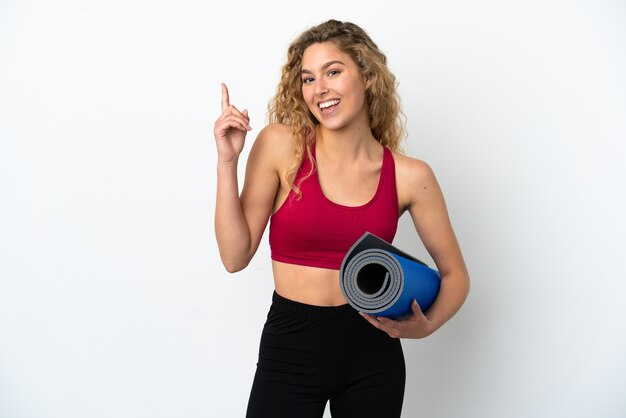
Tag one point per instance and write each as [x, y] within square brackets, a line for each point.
[307, 80]
[333, 72]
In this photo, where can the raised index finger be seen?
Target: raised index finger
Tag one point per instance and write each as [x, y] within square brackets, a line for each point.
[225, 99]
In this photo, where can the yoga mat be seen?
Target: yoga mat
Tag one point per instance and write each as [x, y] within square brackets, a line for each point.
[379, 279]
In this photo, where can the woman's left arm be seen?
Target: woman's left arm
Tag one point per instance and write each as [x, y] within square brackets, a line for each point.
[420, 194]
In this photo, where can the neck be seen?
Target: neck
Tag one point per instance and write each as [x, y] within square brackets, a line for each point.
[346, 144]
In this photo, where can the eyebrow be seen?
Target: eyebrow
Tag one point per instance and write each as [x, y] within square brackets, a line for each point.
[323, 67]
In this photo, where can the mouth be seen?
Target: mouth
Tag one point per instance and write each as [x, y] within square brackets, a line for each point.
[328, 105]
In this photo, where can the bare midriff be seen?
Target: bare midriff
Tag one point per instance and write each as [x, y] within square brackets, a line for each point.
[310, 285]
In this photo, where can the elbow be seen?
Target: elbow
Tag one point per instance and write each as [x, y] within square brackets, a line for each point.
[235, 260]
[233, 266]
[467, 284]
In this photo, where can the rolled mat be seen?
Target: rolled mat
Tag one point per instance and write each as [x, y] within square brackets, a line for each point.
[379, 279]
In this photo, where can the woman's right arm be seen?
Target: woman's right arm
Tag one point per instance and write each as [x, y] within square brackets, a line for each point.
[241, 220]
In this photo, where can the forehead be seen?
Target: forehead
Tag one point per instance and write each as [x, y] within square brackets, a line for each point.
[318, 54]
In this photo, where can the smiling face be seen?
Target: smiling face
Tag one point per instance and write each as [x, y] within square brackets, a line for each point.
[333, 87]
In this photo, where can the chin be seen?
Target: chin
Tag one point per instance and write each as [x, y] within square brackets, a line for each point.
[333, 123]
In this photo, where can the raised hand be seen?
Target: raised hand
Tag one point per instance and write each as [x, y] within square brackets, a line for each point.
[230, 130]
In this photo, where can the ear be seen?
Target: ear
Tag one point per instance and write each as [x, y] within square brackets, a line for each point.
[368, 80]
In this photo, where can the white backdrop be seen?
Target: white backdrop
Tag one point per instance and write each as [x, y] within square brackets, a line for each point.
[113, 301]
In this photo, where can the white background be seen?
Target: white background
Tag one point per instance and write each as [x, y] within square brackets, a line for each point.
[113, 301]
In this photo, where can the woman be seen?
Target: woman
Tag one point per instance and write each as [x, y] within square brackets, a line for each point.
[324, 171]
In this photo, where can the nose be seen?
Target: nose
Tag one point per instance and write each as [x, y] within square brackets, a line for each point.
[320, 87]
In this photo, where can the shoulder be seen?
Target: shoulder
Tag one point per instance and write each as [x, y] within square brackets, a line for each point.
[412, 170]
[275, 145]
[277, 136]
[277, 130]
[415, 180]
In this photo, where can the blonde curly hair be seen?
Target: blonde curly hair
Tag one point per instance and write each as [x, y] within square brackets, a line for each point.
[383, 102]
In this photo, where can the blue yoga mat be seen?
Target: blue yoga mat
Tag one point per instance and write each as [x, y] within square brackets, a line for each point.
[379, 279]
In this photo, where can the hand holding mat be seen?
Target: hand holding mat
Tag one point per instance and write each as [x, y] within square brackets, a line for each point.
[379, 279]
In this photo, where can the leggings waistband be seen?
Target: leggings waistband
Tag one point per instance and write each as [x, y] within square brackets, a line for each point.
[312, 311]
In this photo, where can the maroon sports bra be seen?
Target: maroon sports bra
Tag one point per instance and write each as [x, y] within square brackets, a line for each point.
[314, 231]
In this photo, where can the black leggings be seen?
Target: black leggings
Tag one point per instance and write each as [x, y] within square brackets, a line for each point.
[312, 354]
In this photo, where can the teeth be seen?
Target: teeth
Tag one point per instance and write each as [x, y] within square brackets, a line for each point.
[328, 103]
